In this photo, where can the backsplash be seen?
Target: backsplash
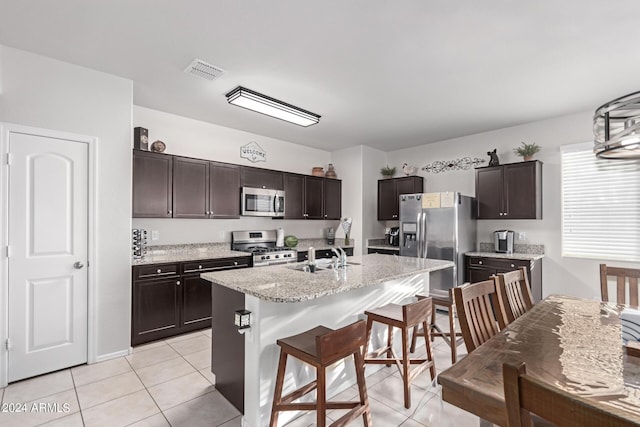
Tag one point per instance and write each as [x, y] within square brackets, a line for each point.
[520, 249]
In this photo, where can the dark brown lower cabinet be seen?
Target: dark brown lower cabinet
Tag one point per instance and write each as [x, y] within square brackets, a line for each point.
[171, 299]
[382, 251]
[482, 268]
[322, 253]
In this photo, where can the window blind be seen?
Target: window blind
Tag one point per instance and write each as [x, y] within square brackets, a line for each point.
[600, 206]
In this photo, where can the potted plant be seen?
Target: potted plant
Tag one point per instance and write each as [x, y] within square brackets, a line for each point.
[526, 151]
[388, 172]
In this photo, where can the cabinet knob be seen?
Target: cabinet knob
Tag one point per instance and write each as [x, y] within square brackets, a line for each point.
[512, 265]
[159, 271]
[325, 216]
[178, 283]
[169, 212]
[479, 262]
[199, 267]
[235, 262]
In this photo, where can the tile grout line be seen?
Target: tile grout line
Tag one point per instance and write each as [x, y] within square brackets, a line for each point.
[75, 389]
[150, 395]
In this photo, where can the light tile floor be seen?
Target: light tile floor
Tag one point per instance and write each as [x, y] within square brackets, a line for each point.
[169, 383]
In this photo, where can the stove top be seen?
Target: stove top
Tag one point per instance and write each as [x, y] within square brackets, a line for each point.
[262, 244]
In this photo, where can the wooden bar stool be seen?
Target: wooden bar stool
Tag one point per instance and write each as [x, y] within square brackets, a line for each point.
[321, 347]
[405, 317]
[446, 301]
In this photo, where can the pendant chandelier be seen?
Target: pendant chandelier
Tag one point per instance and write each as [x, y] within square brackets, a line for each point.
[616, 127]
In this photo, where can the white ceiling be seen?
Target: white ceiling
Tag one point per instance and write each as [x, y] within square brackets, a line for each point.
[387, 74]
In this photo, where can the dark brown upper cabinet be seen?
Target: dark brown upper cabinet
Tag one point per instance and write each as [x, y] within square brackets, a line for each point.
[152, 185]
[310, 197]
[332, 198]
[224, 190]
[203, 189]
[389, 191]
[294, 196]
[261, 178]
[190, 188]
[510, 191]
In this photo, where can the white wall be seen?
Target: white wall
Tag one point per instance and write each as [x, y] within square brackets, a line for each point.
[372, 161]
[193, 138]
[348, 164]
[45, 93]
[561, 275]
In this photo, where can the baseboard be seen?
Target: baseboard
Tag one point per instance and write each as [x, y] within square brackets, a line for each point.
[117, 354]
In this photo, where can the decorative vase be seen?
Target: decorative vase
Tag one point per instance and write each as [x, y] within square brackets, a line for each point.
[317, 171]
[331, 172]
[346, 239]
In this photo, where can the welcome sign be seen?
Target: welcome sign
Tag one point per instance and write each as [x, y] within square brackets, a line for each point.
[253, 152]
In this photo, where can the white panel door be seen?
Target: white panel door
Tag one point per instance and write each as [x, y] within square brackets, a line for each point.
[48, 220]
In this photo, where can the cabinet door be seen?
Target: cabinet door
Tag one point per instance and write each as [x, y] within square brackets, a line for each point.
[408, 185]
[224, 188]
[196, 303]
[313, 197]
[332, 198]
[480, 274]
[521, 191]
[261, 178]
[489, 193]
[294, 196]
[155, 309]
[387, 203]
[152, 185]
[190, 188]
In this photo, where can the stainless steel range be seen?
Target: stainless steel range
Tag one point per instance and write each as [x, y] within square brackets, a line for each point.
[262, 244]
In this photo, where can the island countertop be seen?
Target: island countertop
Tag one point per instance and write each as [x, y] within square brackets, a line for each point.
[283, 283]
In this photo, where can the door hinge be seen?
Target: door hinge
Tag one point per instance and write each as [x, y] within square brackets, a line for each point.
[8, 344]
[8, 251]
[8, 158]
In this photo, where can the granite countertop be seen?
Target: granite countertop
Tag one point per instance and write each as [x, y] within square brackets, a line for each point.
[515, 255]
[381, 244]
[178, 253]
[321, 244]
[282, 283]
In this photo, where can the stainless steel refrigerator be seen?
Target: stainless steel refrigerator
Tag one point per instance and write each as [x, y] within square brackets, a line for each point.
[438, 226]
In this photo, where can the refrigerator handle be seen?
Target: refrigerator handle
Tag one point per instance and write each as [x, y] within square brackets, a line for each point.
[418, 235]
[424, 232]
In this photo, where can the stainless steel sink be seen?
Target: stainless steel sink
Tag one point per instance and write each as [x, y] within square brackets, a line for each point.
[321, 265]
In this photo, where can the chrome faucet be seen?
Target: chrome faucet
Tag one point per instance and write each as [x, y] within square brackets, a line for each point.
[341, 261]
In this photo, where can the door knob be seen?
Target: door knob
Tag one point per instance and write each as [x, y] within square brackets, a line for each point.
[78, 265]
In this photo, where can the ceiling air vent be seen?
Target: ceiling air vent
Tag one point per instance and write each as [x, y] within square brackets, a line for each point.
[202, 69]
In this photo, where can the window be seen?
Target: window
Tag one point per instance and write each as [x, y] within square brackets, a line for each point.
[600, 206]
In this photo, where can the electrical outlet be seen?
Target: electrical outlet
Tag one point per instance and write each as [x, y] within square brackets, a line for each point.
[155, 234]
[522, 236]
[222, 236]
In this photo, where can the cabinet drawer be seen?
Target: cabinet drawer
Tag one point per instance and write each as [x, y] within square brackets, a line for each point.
[508, 264]
[204, 266]
[155, 270]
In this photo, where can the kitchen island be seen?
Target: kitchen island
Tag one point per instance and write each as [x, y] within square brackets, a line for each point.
[284, 301]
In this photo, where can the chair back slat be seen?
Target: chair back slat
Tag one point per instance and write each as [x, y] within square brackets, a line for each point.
[415, 312]
[626, 283]
[525, 395]
[338, 344]
[514, 295]
[475, 303]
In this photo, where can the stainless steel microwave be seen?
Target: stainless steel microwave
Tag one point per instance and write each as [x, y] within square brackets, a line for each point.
[262, 202]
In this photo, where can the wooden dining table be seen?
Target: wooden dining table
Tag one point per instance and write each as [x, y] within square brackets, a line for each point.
[572, 343]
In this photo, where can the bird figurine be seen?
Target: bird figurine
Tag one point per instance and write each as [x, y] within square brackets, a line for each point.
[408, 169]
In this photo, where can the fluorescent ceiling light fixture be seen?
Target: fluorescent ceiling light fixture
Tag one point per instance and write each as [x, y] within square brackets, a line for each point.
[251, 100]
[616, 127]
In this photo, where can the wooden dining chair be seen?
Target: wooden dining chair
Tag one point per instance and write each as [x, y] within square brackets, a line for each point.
[624, 277]
[477, 318]
[514, 295]
[525, 396]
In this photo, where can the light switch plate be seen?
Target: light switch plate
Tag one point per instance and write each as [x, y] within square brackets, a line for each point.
[155, 234]
[522, 236]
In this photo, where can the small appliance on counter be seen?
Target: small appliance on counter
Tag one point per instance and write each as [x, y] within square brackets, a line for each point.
[503, 241]
[394, 236]
[280, 237]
